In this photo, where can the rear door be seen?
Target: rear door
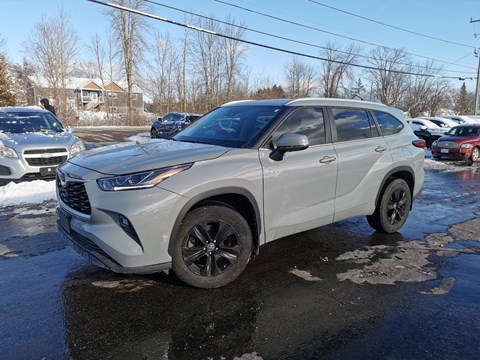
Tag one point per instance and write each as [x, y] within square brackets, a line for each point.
[363, 160]
[299, 190]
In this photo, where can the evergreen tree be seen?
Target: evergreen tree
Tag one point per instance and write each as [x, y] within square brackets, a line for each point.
[7, 94]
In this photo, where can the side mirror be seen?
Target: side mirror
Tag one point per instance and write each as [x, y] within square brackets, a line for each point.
[289, 142]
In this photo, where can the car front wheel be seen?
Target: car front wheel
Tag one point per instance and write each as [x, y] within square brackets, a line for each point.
[213, 246]
[153, 133]
[475, 154]
[392, 208]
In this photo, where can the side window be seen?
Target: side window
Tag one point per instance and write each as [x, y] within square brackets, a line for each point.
[388, 124]
[352, 124]
[306, 121]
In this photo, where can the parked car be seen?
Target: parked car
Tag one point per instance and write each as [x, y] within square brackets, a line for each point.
[461, 142]
[426, 129]
[33, 142]
[245, 174]
[170, 124]
[442, 122]
[461, 119]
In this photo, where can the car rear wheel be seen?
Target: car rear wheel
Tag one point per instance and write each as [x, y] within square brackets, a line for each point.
[213, 246]
[475, 154]
[153, 133]
[392, 208]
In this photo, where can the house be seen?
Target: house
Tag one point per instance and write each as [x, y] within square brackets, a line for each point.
[90, 94]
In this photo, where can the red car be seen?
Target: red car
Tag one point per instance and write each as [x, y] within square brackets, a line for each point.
[461, 142]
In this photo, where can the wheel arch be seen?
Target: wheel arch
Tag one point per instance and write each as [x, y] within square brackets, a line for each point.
[238, 198]
[403, 172]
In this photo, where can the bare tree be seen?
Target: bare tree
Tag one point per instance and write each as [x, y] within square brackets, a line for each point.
[300, 78]
[161, 76]
[129, 29]
[233, 51]
[52, 47]
[207, 58]
[388, 81]
[424, 92]
[337, 68]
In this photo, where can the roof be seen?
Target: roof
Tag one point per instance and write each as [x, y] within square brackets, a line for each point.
[319, 102]
[74, 83]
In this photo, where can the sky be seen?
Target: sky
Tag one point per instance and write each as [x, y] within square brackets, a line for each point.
[448, 20]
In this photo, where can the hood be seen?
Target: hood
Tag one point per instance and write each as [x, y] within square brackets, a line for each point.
[31, 140]
[458, 139]
[126, 158]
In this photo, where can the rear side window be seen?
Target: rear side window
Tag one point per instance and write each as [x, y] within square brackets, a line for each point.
[353, 124]
[388, 124]
[305, 121]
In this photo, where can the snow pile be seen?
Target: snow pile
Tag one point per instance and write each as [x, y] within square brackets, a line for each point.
[29, 192]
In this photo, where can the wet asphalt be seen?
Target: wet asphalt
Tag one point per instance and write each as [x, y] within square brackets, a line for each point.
[337, 292]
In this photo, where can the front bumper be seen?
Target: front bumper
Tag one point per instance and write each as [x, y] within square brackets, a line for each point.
[451, 153]
[94, 254]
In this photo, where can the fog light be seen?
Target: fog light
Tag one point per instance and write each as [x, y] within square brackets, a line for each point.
[127, 226]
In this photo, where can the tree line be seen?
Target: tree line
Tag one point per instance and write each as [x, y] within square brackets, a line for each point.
[200, 70]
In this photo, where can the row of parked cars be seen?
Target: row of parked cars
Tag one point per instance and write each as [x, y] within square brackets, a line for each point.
[452, 137]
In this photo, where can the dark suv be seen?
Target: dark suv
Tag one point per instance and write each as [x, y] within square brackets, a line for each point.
[170, 124]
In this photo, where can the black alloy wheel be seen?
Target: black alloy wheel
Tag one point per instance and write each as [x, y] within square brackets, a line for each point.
[393, 207]
[213, 246]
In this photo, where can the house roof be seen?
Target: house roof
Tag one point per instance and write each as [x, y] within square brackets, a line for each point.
[74, 83]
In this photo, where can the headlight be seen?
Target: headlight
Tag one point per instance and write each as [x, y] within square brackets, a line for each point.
[141, 180]
[7, 152]
[76, 148]
[466, 146]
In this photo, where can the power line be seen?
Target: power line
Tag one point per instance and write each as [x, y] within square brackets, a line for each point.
[196, 28]
[326, 32]
[391, 26]
[282, 37]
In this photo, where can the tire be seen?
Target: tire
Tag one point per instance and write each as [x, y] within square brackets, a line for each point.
[393, 207]
[212, 247]
[475, 154]
[153, 133]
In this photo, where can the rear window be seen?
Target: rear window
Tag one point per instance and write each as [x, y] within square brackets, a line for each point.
[387, 123]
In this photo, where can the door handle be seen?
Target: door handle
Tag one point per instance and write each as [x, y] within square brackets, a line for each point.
[327, 159]
[380, 149]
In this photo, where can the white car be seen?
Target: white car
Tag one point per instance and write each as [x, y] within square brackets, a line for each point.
[461, 119]
[245, 174]
[442, 122]
[427, 130]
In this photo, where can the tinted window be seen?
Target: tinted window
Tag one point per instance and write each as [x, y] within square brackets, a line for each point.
[388, 124]
[464, 131]
[305, 121]
[352, 124]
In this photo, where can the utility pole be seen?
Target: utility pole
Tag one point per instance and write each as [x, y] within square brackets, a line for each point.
[475, 107]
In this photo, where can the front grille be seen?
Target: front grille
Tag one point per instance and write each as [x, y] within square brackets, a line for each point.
[43, 151]
[448, 144]
[74, 195]
[46, 161]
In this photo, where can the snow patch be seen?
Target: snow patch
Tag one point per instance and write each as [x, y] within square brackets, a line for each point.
[304, 275]
[28, 192]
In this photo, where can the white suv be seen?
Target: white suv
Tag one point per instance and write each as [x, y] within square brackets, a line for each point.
[246, 173]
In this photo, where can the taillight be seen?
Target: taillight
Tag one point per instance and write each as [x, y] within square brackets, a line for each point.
[420, 143]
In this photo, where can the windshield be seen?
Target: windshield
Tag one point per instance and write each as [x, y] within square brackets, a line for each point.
[29, 122]
[231, 126]
[464, 131]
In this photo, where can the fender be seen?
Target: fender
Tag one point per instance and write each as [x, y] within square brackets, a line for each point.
[207, 195]
[398, 169]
